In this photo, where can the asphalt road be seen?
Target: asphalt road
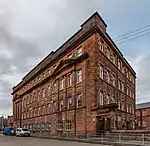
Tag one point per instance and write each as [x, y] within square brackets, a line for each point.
[29, 141]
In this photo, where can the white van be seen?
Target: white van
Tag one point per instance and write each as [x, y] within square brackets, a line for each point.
[22, 132]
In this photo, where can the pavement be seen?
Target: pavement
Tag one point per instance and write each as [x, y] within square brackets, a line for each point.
[31, 141]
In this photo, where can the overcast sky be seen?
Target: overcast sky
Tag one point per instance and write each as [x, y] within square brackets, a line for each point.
[30, 29]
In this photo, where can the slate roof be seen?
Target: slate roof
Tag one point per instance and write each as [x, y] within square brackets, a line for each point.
[143, 105]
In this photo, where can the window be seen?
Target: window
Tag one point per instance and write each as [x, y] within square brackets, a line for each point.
[61, 84]
[119, 84]
[60, 126]
[79, 100]
[122, 106]
[43, 93]
[61, 105]
[48, 89]
[54, 87]
[127, 108]
[123, 69]
[39, 111]
[113, 80]
[107, 99]
[114, 58]
[119, 104]
[108, 76]
[69, 80]
[127, 90]
[54, 106]
[133, 95]
[113, 99]
[119, 64]
[43, 110]
[108, 52]
[69, 103]
[127, 74]
[101, 98]
[101, 72]
[49, 108]
[69, 56]
[79, 76]
[68, 125]
[144, 113]
[122, 86]
[79, 52]
[101, 46]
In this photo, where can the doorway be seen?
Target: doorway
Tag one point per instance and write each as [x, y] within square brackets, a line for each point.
[100, 125]
[103, 125]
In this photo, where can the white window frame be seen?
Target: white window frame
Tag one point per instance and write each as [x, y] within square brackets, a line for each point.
[113, 80]
[69, 80]
[123, 87]
[119, 64]
[108, 52]
[44, 94]
[69, 102]
[79, 97]
[68, 125]
[79, 52]
[61, 104]
[101, 98]
[119, 104]
[101, 46]
[61, 83]
[114, 58]
[79, 76]
[107, 99]
[101, 71]
[108, 76]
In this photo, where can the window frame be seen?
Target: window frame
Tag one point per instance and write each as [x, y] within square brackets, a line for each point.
[101, 98]
[79, 51]
[79, 75]
[79, 99]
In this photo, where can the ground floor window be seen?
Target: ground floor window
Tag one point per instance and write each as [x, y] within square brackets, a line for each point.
[60, 126]
[68, 126]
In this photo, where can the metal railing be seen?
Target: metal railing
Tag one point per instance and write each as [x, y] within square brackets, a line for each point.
[124, 138]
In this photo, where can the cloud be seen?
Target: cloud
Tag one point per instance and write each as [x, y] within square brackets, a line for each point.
[30, 29]
[141, 65]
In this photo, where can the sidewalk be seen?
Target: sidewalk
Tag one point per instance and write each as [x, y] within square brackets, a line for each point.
[92, 141]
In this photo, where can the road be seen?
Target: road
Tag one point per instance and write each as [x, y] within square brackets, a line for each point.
[29, 141]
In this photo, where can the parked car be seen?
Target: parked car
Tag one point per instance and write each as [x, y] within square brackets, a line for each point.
[8, 131]
[22, 132]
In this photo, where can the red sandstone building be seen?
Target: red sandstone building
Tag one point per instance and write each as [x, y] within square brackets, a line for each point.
[10, 121]
[86, 86]
[143, 116]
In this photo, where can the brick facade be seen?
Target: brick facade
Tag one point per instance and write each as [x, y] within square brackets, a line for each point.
[89, 72]
[143, 118]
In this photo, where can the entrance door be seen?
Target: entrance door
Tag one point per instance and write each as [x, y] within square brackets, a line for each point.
[100, 125]
[108, 125]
